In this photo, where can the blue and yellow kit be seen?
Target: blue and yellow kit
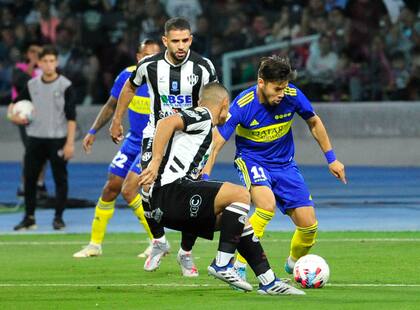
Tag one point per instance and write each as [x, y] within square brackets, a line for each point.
[264, 144]
[138, 116]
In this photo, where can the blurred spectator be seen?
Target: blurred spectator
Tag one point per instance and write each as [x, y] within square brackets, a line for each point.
[154, 21]
[44, 15]
[234, 37]
[398, 87]
[378, 70]
[284, 29]
[73, 64]
[190, 9]
[202, 37]
[311, 16]
[364, 17]
[260, 30]
[320, 68]
[338, 29]
[414, 81]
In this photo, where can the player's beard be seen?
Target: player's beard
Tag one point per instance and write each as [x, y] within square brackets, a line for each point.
[178, 59]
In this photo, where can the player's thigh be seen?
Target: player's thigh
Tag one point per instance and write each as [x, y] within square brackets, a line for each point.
[228, 194]
[263, 197]
[303, 216]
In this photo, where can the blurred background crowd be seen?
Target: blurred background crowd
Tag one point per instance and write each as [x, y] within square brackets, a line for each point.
[366, 50]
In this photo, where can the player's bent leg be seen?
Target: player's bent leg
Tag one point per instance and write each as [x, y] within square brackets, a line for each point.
[130, 193]
[104, 211]
[250, 247]
[305, 234]
[265, 204]
[233, 201]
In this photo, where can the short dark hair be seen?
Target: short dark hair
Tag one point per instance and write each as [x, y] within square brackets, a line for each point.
[213, 92]
[276, 69]
[177, 23]
[48, 50]
[145, 42]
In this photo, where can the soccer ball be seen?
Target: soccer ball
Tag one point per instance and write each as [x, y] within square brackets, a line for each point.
[311, 271]
[24, 109]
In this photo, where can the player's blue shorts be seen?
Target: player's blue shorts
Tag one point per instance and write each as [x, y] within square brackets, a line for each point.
[285, 181]
[127, 159]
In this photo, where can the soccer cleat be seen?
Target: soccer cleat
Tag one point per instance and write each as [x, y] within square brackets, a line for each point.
[89, 251]
[242, 272]
[27, 223]
[278, 287]
[188, 267]
[159, 250]
[146, 252]
[287, 268]
[229, 275]
[58, 223]
[41, 191]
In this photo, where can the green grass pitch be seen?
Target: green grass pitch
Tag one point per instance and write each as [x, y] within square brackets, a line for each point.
[368, 271]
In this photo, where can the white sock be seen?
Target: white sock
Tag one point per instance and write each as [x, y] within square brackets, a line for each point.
[267, 277]
[291, 262]
[183, 252]
[223, 258]
[161, 239]
[239, 264]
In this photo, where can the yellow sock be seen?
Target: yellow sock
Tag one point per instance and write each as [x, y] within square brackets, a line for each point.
[259, 221]
[103, 212]
[138, 210]
[302, 241]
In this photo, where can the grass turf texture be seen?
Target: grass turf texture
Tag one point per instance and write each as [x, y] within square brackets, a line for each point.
[38, 272]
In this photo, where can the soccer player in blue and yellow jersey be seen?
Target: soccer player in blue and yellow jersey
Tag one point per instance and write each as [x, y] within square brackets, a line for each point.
[262, 117]
[124, 168]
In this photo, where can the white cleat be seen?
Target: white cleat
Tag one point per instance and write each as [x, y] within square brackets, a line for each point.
[159, 250]
[278, 287]
[89, 251]
[188, 267]
[229, 275]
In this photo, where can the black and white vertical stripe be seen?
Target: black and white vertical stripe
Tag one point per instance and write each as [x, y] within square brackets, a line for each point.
[164, 80]
[185, 154]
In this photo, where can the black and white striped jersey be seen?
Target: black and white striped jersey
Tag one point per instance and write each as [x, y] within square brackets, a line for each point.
[172, 87]
[188, 150]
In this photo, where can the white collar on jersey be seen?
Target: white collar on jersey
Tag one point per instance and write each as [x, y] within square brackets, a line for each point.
[180, 64]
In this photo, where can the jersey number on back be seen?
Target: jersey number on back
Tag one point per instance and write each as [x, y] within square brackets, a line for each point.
[119, 160]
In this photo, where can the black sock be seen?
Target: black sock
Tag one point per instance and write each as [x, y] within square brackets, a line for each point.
[188, 241]
[232, 226]
[156, 229]
[250, 248]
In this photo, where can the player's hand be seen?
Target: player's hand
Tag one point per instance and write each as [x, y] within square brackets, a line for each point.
[337, 169]
[68, 151]
[88, 141]
[14, 118]
[116, 131]
[149, 175]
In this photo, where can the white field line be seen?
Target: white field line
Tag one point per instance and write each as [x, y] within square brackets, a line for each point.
[182, 285]
[5, 243]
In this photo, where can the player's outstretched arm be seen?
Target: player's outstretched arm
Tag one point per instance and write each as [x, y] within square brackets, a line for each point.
[103, 117]
[217, 144]
[319, 133]
[165, 128]
[127, 93]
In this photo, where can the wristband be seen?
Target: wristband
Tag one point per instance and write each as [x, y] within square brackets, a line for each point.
[92, 131]
[330, 156]
[205, 177]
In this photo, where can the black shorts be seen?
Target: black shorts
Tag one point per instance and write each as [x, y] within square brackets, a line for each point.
[187, 205]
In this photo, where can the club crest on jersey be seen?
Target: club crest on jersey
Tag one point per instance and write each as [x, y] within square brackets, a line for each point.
[195, 203]
[192, 79]
[174, 87]
[146, 156]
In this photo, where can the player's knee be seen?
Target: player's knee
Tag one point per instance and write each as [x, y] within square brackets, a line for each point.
[129, 192]
[241, 194]
[111, 190]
